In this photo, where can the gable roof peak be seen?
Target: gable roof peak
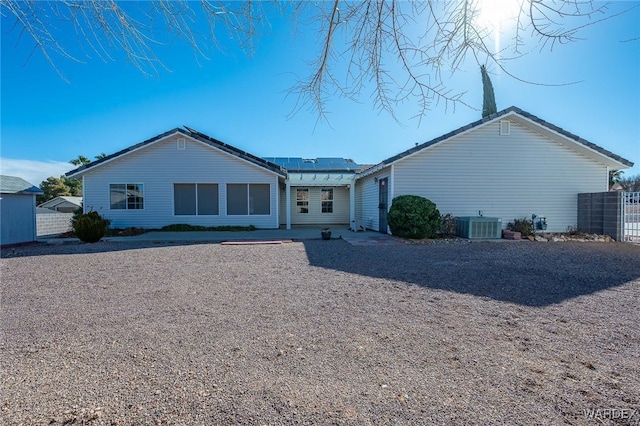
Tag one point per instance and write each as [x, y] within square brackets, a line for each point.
[194, 134]
[551, 128]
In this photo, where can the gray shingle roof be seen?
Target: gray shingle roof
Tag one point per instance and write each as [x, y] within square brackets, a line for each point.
[187, 131]
[16, 185]
[569, 135]
[500, 114]
[61, 199]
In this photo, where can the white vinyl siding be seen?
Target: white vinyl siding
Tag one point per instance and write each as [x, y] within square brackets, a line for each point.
[506, 176]
[368, 198]
[161, 165]
[315, 216]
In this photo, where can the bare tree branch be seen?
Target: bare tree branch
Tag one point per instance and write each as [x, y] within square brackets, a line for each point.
[393, 51]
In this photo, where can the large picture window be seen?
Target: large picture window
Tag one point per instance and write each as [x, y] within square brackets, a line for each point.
[327, 200]
[302, 200]
[248, 199]
[126, 196]
[195, 199]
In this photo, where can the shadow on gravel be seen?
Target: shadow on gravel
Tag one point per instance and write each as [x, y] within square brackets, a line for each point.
[534, 275]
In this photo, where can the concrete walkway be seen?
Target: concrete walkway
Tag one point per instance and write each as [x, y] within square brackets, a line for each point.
[295, 234]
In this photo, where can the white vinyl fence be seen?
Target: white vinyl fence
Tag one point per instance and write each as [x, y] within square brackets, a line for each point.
[631, 217]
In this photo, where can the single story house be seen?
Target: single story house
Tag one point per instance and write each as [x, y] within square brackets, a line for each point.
[507, 165]
[63, 204]
[17, 210]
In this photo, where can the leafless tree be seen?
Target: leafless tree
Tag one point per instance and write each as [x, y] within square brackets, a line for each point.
[630, 183]
[396, 50]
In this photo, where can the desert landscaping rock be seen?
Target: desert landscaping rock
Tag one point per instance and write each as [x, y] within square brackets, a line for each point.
[320, 332]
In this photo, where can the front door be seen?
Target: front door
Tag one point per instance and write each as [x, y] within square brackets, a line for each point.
[383, 202]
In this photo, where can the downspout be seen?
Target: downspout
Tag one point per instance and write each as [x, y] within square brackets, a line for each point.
[277, 215]
[392, 189]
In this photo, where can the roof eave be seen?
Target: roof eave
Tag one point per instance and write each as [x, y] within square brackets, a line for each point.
[577, 143]
[611, 160]
[133, 148]
[229, 149]
[193, 134]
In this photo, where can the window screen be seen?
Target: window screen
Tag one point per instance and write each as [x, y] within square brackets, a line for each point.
[208, 199]
[237, 199]
[184, 198]
[259, 199]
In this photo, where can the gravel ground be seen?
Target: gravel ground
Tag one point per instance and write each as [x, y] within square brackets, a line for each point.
[320, 332]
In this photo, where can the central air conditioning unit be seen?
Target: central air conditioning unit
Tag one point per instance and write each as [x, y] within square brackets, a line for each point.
[479, 227]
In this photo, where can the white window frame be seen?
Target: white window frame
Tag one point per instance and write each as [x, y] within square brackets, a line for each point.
[249, 200]
[302, 203]
[328, 201]
[126, 188]
[197, 207]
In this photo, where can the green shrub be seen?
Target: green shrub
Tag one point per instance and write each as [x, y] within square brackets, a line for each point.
[90, 227]
[411, 216]
[524, 226]
[76, 214]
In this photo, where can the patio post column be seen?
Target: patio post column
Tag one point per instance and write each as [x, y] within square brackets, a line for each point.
[352, 204]
[287, 197]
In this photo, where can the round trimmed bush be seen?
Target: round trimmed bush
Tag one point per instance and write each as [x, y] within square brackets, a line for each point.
[411, 216]
[90, 227]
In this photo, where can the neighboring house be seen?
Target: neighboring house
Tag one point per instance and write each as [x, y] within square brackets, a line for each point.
[17, 210]
[509, 165]
[616, 187]
[63, 204]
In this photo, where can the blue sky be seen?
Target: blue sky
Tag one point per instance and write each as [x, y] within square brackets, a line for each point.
[243, 100]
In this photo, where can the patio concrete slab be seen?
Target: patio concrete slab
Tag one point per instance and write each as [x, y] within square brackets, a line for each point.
[264, 235]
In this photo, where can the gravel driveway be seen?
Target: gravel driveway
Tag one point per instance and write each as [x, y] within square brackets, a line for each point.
[320, 332]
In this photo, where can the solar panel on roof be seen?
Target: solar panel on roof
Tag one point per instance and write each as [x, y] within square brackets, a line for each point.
[320, 163]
